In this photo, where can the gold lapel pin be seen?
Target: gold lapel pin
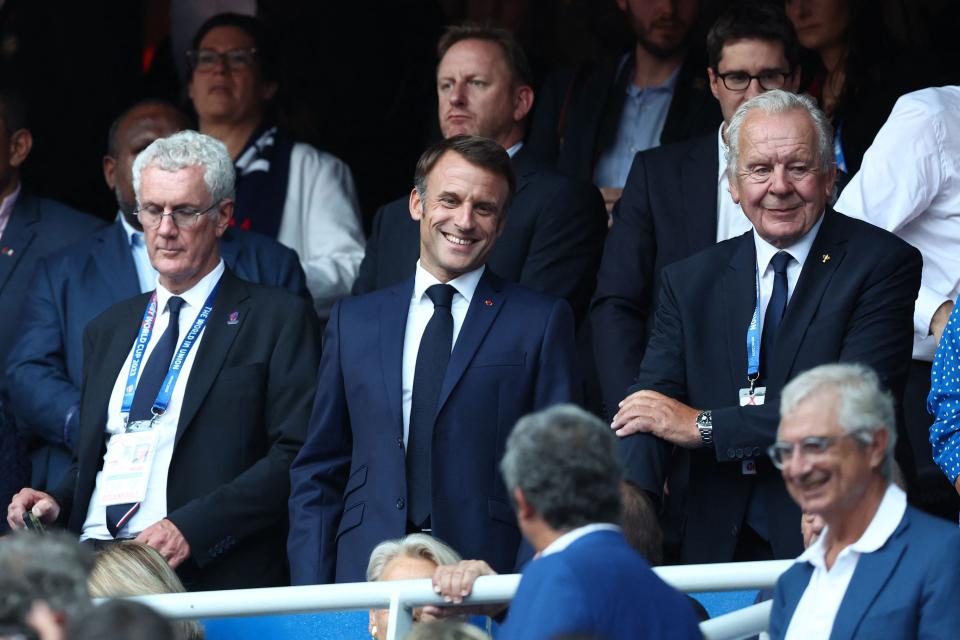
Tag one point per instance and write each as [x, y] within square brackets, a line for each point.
[825, 258]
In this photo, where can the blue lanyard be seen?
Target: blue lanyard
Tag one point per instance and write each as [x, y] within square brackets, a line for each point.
[753, 338]
[170, 381]
[840, 160]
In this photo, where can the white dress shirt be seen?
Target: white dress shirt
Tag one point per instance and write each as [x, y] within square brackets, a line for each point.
[765, 252]
[6, 208]
[821, 600]
[570, 537]
[909, 183]
[146, 274]
[419, 314]
[154, 505]
[731, 220]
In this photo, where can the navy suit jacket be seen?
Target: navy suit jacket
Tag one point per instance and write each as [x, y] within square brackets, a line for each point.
[598, 587]
[551, 244]
[36, 227]
[908, 588]
[853, 302]
[668, 212]
[71, 288]
[514, 354]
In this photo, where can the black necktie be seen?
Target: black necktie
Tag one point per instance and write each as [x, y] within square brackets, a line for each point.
[432, 358]
[775, 308]
[148, 386]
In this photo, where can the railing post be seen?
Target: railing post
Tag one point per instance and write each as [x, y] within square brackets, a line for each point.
[400, 620]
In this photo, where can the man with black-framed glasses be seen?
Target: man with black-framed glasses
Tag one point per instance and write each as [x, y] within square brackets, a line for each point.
[880, 568]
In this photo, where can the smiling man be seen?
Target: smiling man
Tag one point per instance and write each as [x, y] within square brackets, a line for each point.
[420, 384]
[880, 568]
[738, 320]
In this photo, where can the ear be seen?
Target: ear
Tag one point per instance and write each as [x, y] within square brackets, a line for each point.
[109, 172]
[524, 510]
[224, 215]
[21, 142]
[416, 205]
[831, 176]
[522, 102]
[372, 625]
[878, 448]
[733, 186]
[714, 82]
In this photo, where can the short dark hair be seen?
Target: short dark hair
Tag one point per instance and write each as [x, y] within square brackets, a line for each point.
[121, 619]
[565, 462]
[641, 527]
[513, 53]
[263, 39]
[482, 152]
[13, 110]
[149, 102]
[753, 20]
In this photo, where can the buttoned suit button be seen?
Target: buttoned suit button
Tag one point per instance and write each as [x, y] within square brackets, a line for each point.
[401, 503]
[400, 442]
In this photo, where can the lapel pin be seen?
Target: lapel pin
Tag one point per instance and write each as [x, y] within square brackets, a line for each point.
[234, 317]
[7, 251]
[488, 302]
[825, 258]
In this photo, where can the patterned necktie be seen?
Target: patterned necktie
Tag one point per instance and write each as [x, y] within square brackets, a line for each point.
[775, 308]
[432, 358]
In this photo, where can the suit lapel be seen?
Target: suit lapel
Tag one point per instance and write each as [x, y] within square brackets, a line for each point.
[700, 167]
[484, 308]
[114, 251]
[523, 168]
[869, 578]
[825, 256]
[739, 291]
[795, 582]
[393, 326]
[218, 335]
[18, 235]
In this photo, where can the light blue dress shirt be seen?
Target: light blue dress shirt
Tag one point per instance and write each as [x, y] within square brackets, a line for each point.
[146, 274]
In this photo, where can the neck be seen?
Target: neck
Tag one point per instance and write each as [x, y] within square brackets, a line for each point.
[11, 186]
[833, 56]
[540, 535]
[180, 284]
[232, 134]
[507, 141]
[651, 70]
[847, 527]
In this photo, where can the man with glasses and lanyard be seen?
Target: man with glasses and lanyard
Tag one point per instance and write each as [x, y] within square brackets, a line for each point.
[195, 396]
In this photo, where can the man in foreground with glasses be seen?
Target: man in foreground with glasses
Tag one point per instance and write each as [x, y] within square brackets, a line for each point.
[880, 568]
[195, 396]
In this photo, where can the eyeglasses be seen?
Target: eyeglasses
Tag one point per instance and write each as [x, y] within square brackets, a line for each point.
[740, 80]
[152, 215]
[813, 449]
[208, 59]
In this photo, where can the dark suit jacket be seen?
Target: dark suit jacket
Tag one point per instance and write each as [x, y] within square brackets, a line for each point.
[513, 355]
[908, 588]
[551, 244]
[243, 419]
[36, 227]
[668, 212]
[853, 302]
[598, 587]
[577, 113]
[71, 288]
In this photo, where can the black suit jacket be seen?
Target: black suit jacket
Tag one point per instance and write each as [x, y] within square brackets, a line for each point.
[551, 244]
[577, 113]
[668, 212]
[853, 302]
[243, 419]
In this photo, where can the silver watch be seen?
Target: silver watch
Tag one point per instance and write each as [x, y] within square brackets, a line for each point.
[705, 426]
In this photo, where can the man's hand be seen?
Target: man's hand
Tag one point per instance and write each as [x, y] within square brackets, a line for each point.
[611, 195]
[164, 536]
[454, 582]
[42, 504]
[939, 320]
[651, 412]
[811, 525]
[957, 485]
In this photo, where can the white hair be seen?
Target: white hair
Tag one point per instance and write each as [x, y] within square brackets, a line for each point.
[414, 545]
[189, 149]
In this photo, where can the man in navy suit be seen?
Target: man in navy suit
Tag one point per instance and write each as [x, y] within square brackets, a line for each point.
[880, 568]
[78, 283]
[405, 434]
[554, 233]
[562, 472]
[30, 228]
[738, 320]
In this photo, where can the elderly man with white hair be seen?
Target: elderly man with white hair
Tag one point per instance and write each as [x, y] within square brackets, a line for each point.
[880, 568]
[195, 396]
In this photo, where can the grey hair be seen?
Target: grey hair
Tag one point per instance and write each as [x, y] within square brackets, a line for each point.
[189, 149]
[778, 101]
[415, 545]
[53, 567]
[862, 404]
[565, 462]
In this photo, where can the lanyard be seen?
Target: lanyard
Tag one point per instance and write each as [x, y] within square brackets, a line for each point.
[838, 148]
[170, 381]
[753, 338]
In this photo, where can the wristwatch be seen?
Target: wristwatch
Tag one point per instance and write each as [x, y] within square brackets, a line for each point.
[705, 426]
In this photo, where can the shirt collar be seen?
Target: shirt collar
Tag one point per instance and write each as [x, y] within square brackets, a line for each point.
[196, 295]
[885, 521]
[799, 249]
[667, 85]
[570, 537]
[130, 230]
[722, 153]
[465, 285]
[6, 207]
[512, 151]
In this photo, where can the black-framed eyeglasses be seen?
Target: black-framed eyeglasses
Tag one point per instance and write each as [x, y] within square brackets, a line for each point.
[812, 449]
[185, 217]
[208, 59]
[740, 80]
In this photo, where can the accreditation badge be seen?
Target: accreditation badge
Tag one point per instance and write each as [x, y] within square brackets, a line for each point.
[126, 467]
[752, 397]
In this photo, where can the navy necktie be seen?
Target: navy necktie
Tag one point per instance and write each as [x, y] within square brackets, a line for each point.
[432, 358]
[775, 308]
[148, 386]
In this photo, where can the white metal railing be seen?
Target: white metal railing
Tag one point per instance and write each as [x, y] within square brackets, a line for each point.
[401, 596]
